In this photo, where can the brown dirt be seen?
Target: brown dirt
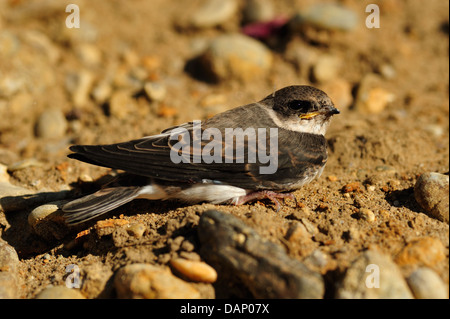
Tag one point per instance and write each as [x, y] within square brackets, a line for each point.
[388, 150]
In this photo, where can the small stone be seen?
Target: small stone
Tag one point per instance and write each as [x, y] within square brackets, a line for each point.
[89, 54]
[426, 284]
[121, 104]
[258, 10]
[432, 193]
[353, 187]
[59, 292]
[387, 71]
[9, 260]
[47, 221]
[167, 111]
[10, 196]
[79, 85]
[237, 56]
[155, 91]
[426, 251]
[144, 281]
[261, 265]
[366, 214]
[213, 13]
[188, 246]
[194, 270]
[9, 288]
[136, 230]
[51, 124]
[383, 280]
[371, 97]
[326, 68]
[4, 176]
[326, 16]
[102, 92]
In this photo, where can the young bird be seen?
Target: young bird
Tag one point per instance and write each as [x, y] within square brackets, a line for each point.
[223, 159]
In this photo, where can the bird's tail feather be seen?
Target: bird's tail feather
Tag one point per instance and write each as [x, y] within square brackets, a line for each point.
[101, 202]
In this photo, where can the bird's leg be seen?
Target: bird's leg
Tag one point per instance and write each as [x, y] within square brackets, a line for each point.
[273, 196]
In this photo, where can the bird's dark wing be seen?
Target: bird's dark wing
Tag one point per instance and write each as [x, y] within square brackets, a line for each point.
[298, 154]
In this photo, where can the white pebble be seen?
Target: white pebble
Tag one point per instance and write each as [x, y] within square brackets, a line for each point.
[426, 284]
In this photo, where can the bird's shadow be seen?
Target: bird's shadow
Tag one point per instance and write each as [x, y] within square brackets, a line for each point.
[18, 232]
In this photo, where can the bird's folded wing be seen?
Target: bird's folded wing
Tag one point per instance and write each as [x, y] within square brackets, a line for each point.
[297, 153]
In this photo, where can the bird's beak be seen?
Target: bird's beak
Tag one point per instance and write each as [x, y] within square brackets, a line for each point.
[332, 110]
[329, 110]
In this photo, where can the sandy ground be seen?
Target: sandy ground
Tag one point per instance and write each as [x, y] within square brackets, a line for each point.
[380, 153]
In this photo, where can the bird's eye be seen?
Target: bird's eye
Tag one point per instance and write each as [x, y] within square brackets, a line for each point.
[299, 105]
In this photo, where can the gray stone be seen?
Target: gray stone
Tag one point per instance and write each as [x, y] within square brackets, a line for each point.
[9, 262]
[47, 220]
[155, 91]
[432, 193]
[144, 281]
[213, 12]
[51, 124]
[237, 56]
[258, 10]
[59, 292]
[235, 249]
[327, 16]
[373, 275]
[426, 284]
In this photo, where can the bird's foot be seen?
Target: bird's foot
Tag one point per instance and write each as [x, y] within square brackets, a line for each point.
[273, 196]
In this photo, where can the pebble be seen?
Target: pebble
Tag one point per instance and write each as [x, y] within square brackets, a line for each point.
[136, 230]
[155, 91]
[258, 10]
[326, 68]
[51, 124]
[356, 187]
[9, 261]
[327, 16]
[366, 214]
[213, 13]
[432, 193]
[8, 194]
[371, 98]
[262, 266]
[144, 281]
[79, 85]
[121, 104]
[194, 270]
[59, 292]
[89, 54]
[102, 92]
[426, 251]
[361, 282]
[4, 176]
[237, 56]
[426, 284]
[47, 221]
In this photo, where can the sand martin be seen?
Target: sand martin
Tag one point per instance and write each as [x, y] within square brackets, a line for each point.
[277, 146]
